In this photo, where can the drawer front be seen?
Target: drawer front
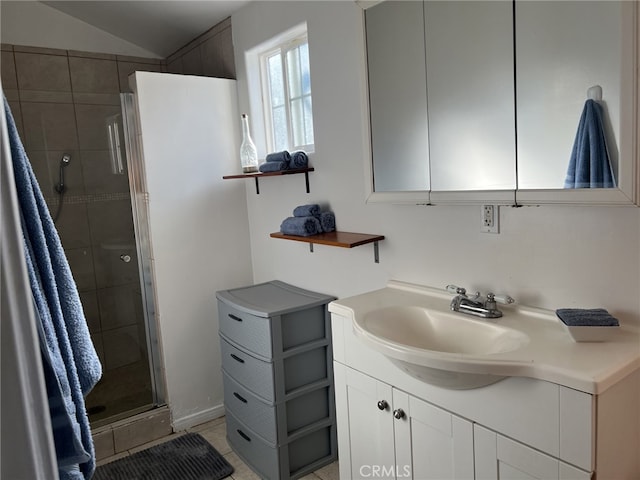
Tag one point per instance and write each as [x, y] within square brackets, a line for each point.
[254, 374]
[255, 413]
[250, 331]
[275, 423]
[261, 456]
[293, 459]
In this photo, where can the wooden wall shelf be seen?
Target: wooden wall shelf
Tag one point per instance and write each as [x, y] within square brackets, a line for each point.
[256, 176]
[336, 239]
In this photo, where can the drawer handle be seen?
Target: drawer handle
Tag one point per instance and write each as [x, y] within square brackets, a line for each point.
[237, 319]
[239, 397]
[243, 435]
[237, 358]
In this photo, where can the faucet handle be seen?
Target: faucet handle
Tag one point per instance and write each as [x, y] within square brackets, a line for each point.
[455, 290]
[504, 299]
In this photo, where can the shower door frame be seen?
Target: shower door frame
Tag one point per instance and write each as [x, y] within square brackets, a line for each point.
[140, 211]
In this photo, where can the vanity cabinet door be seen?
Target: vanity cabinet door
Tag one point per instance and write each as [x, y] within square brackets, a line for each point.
[431, 443]
[386, 433]
[497, 457]
[365, 425]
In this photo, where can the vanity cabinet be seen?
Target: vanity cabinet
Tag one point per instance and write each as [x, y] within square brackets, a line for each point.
[277, 374]
[498, 457]
[395, 435]
[517, 428]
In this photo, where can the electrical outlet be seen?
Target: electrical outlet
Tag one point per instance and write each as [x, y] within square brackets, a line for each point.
[490, 215]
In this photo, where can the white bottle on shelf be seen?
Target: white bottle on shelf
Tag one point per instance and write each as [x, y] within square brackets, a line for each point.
[248, 152]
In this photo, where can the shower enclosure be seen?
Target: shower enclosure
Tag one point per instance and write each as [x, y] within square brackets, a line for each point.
[67, 109]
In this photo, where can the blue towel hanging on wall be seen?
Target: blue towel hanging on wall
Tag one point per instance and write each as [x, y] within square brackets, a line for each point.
[590, 166]
[70, 362]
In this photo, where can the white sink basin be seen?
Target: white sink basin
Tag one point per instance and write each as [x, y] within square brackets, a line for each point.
[413, 327]
[426, 342]
[441, 332]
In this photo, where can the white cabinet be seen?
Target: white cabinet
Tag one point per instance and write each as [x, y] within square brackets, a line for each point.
[498, 457]
[386, 433]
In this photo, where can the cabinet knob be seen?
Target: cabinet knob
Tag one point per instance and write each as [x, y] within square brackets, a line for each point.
[399, 413]
[383, 405]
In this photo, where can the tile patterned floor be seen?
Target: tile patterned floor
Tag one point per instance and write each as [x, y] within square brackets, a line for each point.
[215, 433]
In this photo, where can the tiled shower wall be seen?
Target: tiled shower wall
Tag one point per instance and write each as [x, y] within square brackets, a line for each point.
[61, 101]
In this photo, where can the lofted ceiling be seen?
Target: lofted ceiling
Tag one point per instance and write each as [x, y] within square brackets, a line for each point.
[159, 26]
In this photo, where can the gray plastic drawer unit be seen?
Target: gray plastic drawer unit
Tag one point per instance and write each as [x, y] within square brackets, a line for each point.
[309, 407]
[278, 378]
[303, 454]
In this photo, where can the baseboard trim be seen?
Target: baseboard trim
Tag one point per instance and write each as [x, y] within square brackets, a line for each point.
[197, 418]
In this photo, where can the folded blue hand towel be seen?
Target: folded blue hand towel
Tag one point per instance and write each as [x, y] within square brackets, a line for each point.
[282, 156]
[589, 166]
[299, 159]
[312, 209]
[302, 226]
[580, 317]
[273, 166]
[327, 221]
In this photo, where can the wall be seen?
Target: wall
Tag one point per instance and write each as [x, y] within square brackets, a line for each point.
[210, 54]
[198, 229]
[38, 25]
[547, 256]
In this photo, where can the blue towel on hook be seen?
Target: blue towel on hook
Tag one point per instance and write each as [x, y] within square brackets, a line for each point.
[70, 362]
[589, 166]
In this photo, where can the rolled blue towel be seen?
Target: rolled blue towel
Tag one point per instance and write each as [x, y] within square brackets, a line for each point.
[327, 221]
[580, 317]
[299, 159]
[273, 166]
[282, 156]
[302, 226]
[312, 209]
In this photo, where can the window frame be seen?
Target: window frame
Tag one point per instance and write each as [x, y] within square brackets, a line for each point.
[265, 82]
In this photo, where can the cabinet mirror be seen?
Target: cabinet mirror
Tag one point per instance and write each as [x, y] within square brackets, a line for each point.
[477, 101]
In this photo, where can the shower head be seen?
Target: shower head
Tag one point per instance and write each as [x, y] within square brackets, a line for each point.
[64, 161]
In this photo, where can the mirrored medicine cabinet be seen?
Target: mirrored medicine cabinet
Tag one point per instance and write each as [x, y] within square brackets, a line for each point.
[479, 101]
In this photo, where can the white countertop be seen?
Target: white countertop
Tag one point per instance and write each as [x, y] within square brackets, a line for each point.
[551, 353]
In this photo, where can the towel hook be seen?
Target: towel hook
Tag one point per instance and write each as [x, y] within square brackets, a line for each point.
[595, 93]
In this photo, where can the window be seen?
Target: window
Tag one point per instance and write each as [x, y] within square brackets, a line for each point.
[286, 85]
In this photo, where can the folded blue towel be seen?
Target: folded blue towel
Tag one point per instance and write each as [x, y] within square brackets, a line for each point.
[580, 317]
[299, 159]
[282, 156]
[327, 221]
[589, 166]
[273, 166]
[312, 209]
[302, 226]
[70, 363]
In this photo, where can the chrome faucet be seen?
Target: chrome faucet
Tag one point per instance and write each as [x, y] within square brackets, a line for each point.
[476, 305]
